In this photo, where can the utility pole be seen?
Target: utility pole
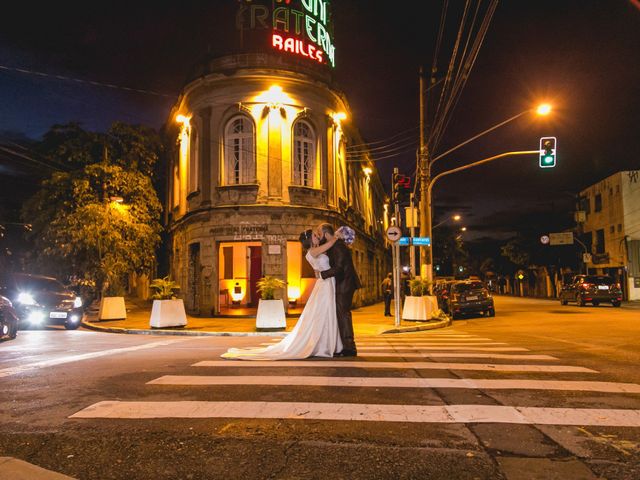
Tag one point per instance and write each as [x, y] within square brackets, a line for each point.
[412, 233]
[426, 268]
[397, 272]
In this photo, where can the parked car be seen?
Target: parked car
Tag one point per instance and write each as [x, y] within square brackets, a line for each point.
[8, 320]
[442, 292]
[592, 289]
[470, 297]
[40, 300]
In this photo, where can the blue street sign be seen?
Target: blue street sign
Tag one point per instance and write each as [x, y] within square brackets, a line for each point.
[422, 241]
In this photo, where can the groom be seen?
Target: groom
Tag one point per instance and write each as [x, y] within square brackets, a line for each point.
[347, 282]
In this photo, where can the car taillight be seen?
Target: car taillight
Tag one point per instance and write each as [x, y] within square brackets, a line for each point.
[586, 286]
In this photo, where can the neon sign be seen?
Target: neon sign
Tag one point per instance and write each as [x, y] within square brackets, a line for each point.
[299, 27]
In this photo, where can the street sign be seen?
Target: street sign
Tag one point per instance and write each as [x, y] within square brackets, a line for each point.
[562, 238]
[420, 241]
[544, 239]
[394, 233]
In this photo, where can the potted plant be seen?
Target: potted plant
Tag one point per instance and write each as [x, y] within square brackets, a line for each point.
[167, 310]
[419, 306]
[271, 314]
[112, 305]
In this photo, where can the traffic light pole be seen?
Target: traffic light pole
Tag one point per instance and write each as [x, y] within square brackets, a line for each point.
[432, 182]
[397, 274]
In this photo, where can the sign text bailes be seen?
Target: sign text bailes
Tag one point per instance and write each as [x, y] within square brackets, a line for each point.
[304, 30]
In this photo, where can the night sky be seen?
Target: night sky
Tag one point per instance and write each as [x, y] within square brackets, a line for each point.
[582, 56]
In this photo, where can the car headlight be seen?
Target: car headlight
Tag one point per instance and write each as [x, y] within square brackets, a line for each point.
[36, 317]
[77, 303]
[26, 298]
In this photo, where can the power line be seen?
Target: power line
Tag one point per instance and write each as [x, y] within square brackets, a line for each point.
[87, 82]
[404, 132]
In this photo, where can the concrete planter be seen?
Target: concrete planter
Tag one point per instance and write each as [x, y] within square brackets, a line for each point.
[419, 308]
[112, 308]
[271, 315]
[168, 313]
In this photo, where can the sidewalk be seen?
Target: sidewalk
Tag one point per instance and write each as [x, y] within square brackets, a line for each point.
[367, 320]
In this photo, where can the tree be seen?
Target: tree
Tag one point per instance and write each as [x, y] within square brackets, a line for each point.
[517, 252]
[77, 229]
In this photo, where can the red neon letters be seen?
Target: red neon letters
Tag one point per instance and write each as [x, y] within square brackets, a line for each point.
[299, 47]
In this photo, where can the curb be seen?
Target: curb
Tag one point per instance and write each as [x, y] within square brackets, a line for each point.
[419, 328]
[179, 333]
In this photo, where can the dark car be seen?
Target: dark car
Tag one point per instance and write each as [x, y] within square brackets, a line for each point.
[470, 297]
[40, 301]
[592, 289]
[8, 319]
[442, 291]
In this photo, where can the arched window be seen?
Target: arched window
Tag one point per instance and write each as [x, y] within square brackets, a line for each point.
[194, 161]
[239, 151]
[304, 154]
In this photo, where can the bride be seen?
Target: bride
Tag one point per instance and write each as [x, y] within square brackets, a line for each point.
[316, 333]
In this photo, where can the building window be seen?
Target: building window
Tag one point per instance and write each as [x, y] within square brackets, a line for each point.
[619, 227]
[239, 151]
[600, 241]
[598, 205]
[304, 154]
[612, 229]
[193, 162]
[585, 205]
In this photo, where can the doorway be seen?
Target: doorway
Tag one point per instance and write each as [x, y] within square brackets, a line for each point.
[193, 284]
[255, 273]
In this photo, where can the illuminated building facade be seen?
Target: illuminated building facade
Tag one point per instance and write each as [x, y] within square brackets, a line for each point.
[261, 155]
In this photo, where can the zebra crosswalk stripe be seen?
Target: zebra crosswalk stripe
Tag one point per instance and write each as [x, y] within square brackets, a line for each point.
[475, 349]
[502, 356]
[495, 367]
[364, 412]
[398, 382]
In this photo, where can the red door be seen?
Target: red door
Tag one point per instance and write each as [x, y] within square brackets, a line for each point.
[255, 273]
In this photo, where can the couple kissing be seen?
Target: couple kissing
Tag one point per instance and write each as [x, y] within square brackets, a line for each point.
[325, 327]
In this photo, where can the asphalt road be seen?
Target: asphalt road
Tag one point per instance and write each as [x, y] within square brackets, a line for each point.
[539, 391]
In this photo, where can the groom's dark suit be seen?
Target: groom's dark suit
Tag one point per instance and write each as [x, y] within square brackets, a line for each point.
[347, 282]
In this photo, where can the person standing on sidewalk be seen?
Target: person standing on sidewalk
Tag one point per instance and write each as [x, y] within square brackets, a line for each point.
[387, 293]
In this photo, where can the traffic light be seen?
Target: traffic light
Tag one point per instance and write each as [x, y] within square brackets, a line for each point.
[547, 152]
[401, 188]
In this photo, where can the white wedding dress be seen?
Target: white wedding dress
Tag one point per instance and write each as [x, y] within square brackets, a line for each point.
[316, 333]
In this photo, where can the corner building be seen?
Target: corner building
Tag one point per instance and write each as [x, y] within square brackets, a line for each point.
[260, 156]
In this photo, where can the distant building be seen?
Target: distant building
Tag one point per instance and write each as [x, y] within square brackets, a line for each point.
[611, 229]
[260, 156]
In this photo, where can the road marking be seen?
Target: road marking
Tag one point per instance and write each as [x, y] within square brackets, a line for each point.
[434, 344]
[395, 382]
[7, 372]
[505, 356]
[364, 412]
[398, 365]
[413, 349]
[425, 339]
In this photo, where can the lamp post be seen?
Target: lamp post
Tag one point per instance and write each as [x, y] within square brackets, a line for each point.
[426, 182]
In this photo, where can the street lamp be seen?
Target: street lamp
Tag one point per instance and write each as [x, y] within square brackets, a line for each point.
[455, 218]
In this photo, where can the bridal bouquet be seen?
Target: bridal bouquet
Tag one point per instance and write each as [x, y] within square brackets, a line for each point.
[347, 234]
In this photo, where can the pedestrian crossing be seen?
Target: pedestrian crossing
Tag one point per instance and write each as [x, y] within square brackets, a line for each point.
[394, 364]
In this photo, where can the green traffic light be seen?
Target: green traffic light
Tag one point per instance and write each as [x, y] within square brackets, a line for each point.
[548, 159]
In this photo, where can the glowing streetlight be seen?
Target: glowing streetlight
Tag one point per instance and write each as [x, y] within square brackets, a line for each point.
[543, 109]
[456, 217]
